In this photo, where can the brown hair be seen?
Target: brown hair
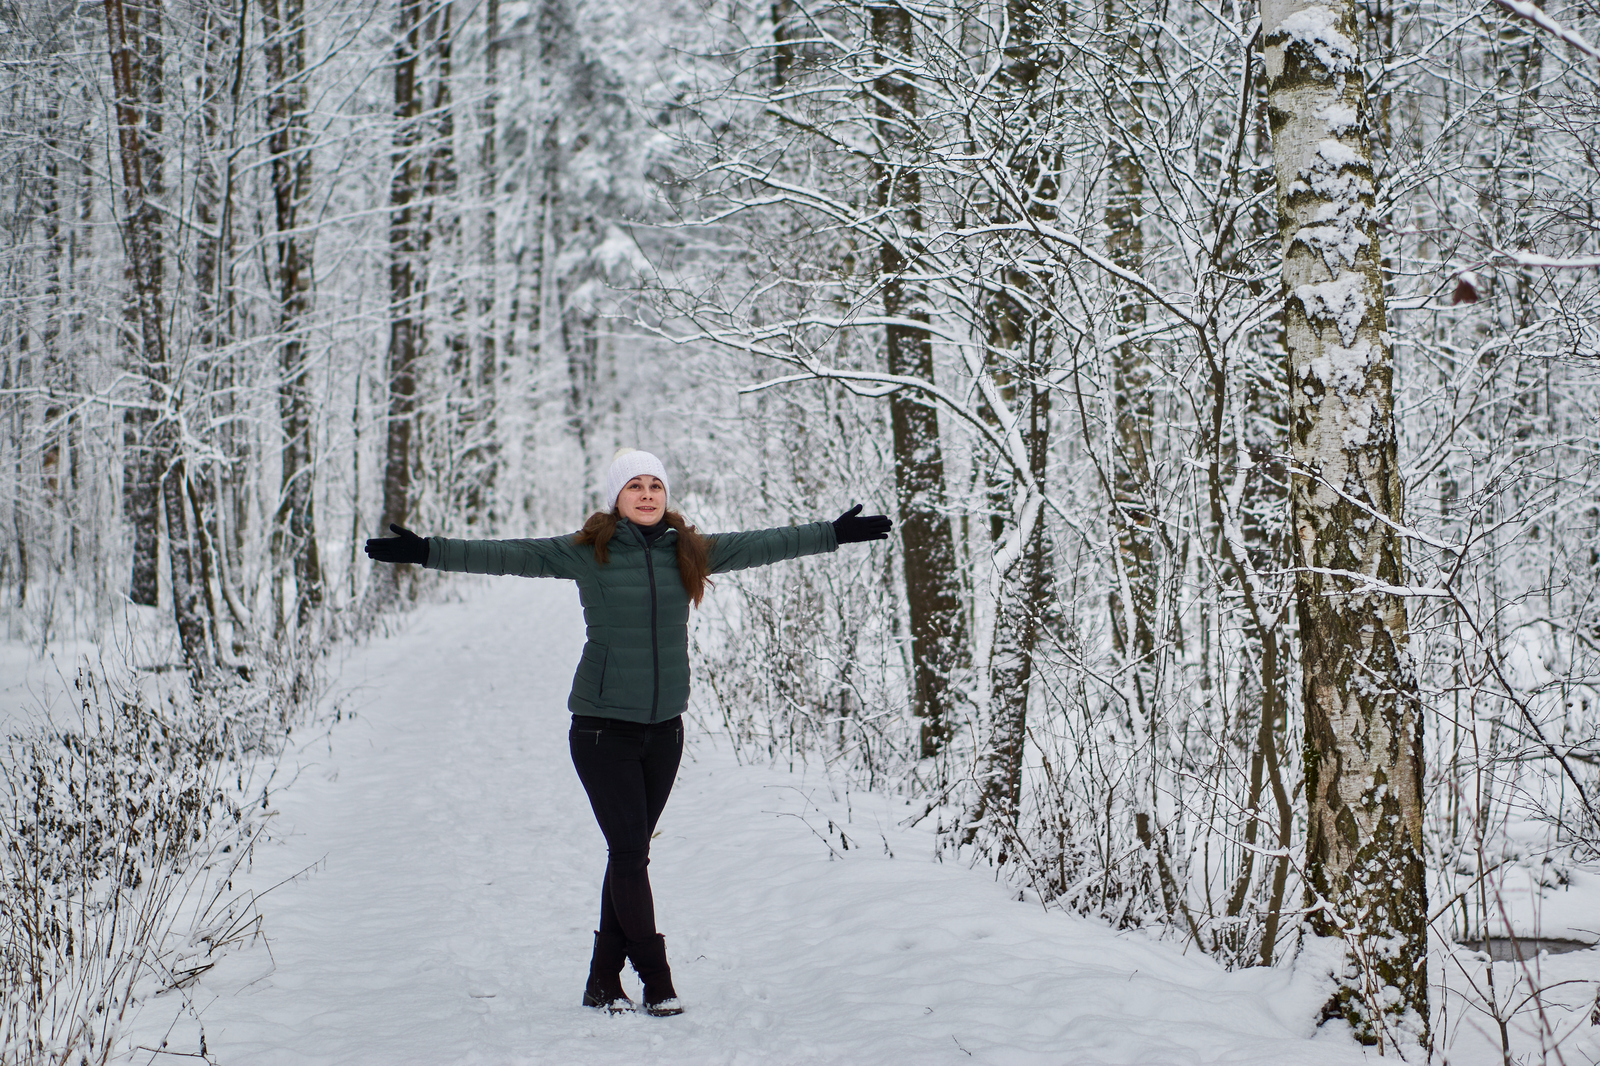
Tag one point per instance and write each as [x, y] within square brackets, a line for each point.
[694, 554]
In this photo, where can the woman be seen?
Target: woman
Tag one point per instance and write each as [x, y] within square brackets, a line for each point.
[638, 567]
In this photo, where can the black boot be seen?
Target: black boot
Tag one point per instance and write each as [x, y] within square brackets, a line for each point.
[650, 961]
[604, 989]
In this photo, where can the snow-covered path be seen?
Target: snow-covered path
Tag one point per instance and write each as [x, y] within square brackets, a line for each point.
[454, 880]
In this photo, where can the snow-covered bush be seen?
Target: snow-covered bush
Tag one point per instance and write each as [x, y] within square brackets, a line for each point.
[120, 826]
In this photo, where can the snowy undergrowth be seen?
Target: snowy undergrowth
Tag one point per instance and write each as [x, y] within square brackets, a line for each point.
[127, 802]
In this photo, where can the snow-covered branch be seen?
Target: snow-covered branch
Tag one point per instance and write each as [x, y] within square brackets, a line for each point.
[1536, 15]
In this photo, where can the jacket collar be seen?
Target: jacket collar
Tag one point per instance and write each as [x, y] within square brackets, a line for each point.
[635, 536]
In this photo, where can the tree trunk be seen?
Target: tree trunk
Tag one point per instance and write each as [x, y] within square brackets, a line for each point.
[136, 66]
[405, 311]
[213, 181]
[938, 626]
[294, 534]
[161, 476]
[559, 333]
[1020, 348]
[442, 254]
[483, 455]
[214, 306]
[1133, 592]
[57, 363]
[76, 321]
[783, 11]
[187, 575]
[1135, 565]
[1363, 757]
[1024, 603]
[15, 380]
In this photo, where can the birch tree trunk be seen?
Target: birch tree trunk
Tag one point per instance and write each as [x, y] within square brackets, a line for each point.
[1363, 743]
[938, 626]
[294, 535]
[15, 379]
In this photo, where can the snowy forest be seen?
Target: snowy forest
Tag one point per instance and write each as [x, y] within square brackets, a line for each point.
[1231, 373]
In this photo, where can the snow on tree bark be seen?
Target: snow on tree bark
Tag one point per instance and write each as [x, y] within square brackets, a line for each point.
[134, 59]
[938, 628]
[1024, 600]
[1133, 598]
[1021, 350]
[482, 461]
[294, 539]
[214, 200]
[405, 311]
[442, 246]
[137, 65]
[1136, 566]
[1363, 754]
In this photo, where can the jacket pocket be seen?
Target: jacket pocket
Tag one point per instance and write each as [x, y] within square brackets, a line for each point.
[592, 670]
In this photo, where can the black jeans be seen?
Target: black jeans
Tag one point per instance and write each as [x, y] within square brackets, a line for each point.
[628, 770]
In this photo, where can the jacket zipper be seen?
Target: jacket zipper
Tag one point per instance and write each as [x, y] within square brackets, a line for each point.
[655, 650]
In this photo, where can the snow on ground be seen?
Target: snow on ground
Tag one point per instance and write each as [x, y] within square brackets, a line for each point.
[32, 686]
[441, 874]
[37, 689]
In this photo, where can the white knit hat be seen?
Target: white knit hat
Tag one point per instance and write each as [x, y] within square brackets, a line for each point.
[628, 464]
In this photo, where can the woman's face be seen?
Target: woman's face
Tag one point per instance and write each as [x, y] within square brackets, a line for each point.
[643, 500]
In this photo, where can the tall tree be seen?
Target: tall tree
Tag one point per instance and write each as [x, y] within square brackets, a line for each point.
[405, 291]
[1021, 342]
[938, 624]
[442, 247]
[1133, 596]
[137, 73]
[482, 466]
[221, 85]
[294, 535]
[1363, 731]
[220, 81]
[137, 78]
[57, 366]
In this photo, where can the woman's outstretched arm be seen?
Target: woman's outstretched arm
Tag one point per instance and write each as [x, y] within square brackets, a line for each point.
[759, 547]
[540, 557]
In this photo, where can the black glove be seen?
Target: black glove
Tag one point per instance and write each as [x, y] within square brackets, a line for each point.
[407, 547]
[850, 528]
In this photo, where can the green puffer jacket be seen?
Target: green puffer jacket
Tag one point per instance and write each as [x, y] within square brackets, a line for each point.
[635, 665]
